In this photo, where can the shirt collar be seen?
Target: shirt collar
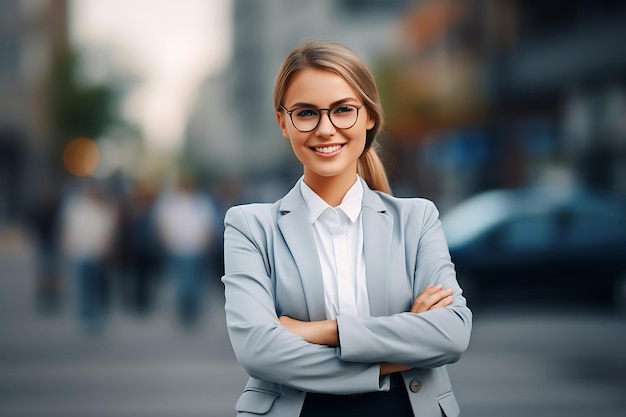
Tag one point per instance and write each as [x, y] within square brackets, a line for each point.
[350, 205]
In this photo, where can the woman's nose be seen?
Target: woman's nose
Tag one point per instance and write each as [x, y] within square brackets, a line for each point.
[325, 126]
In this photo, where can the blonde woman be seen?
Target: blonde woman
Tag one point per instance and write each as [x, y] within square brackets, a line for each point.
[340, 298]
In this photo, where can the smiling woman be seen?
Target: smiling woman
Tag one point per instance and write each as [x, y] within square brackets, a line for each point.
[172, 44]
[340, 296]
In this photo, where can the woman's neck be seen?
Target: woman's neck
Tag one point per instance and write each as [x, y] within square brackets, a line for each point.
[330, 189]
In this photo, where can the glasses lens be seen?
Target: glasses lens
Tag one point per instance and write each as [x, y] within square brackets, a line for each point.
[305, 120]
[344, 116]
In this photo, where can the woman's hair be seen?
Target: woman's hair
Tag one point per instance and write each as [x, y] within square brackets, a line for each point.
[343, 61]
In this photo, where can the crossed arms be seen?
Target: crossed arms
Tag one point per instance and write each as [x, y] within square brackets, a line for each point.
[342, 356]
[325, 332]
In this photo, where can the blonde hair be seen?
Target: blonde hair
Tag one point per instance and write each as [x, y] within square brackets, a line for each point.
[343, 61]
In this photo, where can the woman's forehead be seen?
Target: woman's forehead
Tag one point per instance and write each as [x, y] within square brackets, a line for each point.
[318, 87]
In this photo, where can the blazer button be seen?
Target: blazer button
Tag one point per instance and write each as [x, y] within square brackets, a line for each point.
[415, 385]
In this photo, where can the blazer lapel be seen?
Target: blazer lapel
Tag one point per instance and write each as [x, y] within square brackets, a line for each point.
[377, 235]
[294, 225]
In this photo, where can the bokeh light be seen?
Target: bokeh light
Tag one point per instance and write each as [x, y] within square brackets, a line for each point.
[81, 157]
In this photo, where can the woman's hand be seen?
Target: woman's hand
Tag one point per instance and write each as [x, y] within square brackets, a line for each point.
[433, 297]
[322, 332]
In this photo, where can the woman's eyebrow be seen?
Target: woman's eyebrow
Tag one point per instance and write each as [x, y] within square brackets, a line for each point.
[301, 104]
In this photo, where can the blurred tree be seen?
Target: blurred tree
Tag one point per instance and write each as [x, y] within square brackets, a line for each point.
[78, 108]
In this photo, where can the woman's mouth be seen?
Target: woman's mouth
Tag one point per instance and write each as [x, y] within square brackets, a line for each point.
[327, 149]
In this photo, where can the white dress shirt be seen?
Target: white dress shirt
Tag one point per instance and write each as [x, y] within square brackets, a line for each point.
[338, 235]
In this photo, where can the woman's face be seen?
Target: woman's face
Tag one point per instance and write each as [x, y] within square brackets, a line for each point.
[326, 151]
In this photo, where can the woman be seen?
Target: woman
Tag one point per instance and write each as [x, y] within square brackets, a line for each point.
[340, 299]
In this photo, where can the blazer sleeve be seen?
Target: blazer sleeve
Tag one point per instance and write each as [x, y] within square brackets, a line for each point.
[425, 340]
[265, 348]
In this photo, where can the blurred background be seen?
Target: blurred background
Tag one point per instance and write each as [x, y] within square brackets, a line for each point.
[128, 127]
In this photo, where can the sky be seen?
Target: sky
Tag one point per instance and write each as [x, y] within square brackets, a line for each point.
[173, 45]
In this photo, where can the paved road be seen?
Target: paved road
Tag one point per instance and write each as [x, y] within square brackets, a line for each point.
[568, 362]
[137, 367]
[563, 362]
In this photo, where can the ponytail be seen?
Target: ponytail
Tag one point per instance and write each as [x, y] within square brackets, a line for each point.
[372, 170]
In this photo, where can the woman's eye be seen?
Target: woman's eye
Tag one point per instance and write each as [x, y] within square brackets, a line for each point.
[304, 113]
[343, 109]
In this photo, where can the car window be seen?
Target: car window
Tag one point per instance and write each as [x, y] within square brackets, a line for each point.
[592, 228]
[533, 232]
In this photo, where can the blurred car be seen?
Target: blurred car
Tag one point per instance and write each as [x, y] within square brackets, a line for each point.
[543, 246]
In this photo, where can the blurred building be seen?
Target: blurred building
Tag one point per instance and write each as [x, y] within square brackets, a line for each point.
[478, 94]
[234, 129]
[487, 93]
[29, 33]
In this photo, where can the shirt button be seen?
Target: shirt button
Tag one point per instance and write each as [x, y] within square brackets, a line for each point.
[415, 385]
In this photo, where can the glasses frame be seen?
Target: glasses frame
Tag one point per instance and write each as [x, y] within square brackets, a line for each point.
[328, 109]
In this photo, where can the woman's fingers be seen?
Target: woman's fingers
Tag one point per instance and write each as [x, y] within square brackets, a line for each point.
[432, 297]
[444, 302]
[423, 301]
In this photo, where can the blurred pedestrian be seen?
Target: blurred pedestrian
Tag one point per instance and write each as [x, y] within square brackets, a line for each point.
[138, 249]
[186, 223]
[341, 300]
[88, 228]
[44, 224]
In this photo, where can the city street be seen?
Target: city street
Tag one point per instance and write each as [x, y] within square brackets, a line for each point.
[564, 361]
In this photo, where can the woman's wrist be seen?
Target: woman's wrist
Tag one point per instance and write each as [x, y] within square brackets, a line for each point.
[391, 368]
[331, 333]
[323, 332]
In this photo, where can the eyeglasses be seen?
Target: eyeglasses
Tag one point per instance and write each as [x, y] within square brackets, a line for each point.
[306, 119]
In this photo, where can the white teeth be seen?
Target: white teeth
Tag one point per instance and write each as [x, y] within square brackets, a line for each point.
[328, 149]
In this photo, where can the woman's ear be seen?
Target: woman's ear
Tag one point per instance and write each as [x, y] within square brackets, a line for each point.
[280, 118]
[370, 123]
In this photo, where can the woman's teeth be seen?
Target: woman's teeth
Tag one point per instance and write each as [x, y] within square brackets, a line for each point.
[327, 149]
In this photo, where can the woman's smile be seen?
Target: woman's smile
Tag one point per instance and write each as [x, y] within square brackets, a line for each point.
[327, 150]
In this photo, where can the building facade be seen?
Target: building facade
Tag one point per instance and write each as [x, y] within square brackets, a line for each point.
[30, 31]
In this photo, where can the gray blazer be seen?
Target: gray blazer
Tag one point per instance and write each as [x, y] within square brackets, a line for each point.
[272, 269]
